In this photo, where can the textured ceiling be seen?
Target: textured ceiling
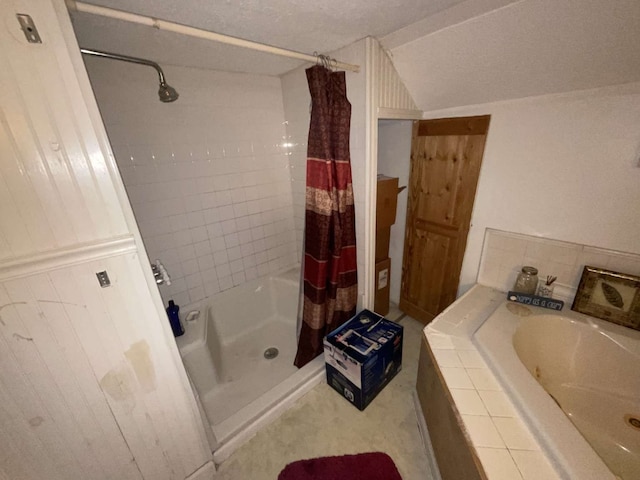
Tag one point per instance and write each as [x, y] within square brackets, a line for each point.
[527, 48]
[448, 52]
[302, 25]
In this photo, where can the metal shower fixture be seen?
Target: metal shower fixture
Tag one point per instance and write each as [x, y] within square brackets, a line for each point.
[166, 92]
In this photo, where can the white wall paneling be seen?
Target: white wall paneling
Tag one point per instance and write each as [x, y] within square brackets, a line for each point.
[91, 385]
[54, 189]
[81, 364]
[393, 98]
[64, 257]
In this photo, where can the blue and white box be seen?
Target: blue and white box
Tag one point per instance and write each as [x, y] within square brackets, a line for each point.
[362, 356]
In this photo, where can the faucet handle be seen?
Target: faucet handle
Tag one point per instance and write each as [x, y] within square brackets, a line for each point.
[162, 276]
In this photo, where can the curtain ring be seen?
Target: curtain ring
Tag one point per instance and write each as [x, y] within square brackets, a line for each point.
[326, 61]
[323, 60]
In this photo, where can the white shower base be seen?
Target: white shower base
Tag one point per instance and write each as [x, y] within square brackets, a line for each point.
[223, 352]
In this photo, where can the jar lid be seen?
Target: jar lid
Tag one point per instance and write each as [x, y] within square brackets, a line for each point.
[530, 270]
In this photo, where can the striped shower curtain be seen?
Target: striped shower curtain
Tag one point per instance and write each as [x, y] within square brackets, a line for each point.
[330, 275]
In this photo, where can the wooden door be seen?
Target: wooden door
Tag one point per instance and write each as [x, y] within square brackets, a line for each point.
[445, 163]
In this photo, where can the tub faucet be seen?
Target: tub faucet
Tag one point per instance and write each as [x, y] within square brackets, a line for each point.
[160, 273]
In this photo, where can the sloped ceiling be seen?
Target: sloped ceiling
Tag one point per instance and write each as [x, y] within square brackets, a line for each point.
[526, 48]
[301, 25]
[448, 52]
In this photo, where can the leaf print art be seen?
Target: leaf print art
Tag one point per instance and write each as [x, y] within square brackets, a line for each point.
[612, 295]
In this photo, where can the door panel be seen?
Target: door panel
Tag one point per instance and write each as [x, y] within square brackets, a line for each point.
[446, 155]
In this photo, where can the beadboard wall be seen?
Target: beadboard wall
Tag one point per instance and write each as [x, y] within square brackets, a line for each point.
[91, 381]
[393, 98]
[207, 175]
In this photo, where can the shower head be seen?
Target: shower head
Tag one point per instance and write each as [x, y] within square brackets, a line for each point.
[166, 92]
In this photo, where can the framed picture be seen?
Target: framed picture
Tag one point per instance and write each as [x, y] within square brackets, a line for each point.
[608, 295]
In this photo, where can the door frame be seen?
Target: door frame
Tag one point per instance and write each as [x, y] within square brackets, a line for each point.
[375, 113]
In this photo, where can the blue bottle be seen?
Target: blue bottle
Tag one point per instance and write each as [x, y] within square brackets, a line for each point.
[174, 319]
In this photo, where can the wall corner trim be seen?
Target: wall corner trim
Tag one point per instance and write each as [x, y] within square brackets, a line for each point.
[64, 257]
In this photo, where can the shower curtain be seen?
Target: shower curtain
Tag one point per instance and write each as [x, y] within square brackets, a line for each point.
[330, 275]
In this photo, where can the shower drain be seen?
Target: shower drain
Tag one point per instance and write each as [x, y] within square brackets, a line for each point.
[632, 421]
[271, 353]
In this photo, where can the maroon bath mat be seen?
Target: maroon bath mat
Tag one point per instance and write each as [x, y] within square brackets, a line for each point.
[364, 466]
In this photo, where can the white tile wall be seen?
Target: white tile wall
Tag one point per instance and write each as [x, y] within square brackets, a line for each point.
[297, 102]
[207, 175]
[504, 254]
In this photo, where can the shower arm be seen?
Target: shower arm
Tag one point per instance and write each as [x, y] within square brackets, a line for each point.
[126, 58]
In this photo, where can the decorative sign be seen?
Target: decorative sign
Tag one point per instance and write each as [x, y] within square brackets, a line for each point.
[535, 301]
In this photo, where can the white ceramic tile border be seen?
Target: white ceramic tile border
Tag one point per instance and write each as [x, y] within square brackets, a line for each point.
[504, 254]
[491, 420]
[505, 446]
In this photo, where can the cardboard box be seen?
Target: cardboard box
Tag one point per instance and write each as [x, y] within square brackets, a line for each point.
[362, 356]
[386, 201]
[383, 277]
[383, 237]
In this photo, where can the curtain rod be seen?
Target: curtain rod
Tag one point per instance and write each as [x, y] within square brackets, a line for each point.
[197, 32]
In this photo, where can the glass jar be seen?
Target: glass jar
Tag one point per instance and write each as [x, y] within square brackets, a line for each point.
[527, 281]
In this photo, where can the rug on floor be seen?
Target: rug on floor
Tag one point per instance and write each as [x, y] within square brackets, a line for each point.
[364, 466]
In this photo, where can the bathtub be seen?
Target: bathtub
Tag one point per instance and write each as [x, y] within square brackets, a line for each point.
[223, 352]
[589, 368]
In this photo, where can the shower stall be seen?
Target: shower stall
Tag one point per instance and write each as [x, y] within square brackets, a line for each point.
[216, 183]
[216, 175]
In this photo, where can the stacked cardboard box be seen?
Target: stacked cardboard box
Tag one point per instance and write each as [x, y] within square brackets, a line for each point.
[386, 203]
[362, 356]
[383, 274]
